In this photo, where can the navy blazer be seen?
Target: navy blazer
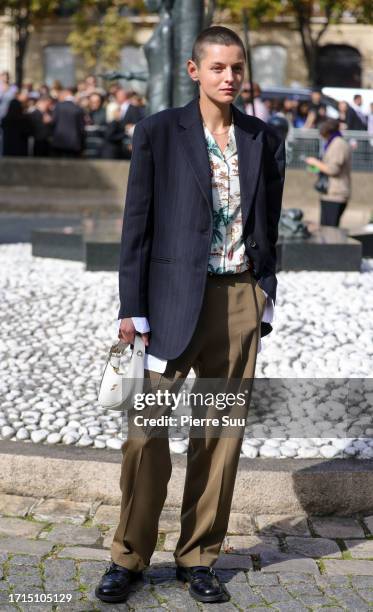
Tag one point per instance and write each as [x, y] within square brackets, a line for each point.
[167, 222]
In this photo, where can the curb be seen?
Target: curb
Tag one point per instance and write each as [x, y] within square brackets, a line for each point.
[263, 486]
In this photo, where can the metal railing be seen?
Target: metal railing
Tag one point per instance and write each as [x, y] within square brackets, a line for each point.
[302, 143]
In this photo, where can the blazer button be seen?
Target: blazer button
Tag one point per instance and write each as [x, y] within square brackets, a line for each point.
[253, 244]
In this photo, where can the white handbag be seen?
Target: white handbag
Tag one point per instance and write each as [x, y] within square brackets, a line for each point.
[118, 386]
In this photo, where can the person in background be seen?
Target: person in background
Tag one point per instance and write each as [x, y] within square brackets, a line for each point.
[17, 128]
[261, 110]
[68, 126]
[348, 119]
[315, 113]
[41, 118]
[336, 164]
[96, 109]
[370, 120]
[356, 105]
[301, 115]
[7, 92]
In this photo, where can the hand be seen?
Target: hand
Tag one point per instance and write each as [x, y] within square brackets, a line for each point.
[127, 332]
[312, 161]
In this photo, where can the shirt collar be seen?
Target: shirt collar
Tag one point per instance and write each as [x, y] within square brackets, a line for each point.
[213, 147]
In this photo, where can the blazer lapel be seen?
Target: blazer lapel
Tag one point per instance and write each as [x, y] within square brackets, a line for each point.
[192, 138]
[249, 152]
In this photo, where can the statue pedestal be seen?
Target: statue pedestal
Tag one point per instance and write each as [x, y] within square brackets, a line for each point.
[364, 234]
[328, 249]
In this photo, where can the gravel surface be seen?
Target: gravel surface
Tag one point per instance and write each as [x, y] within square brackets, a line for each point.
[58, 322]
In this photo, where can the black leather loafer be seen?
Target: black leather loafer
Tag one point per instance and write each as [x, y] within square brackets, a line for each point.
[204, 584]
[115, 584]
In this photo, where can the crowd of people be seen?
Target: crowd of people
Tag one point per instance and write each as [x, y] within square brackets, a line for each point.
[62, 121]
[58, 120]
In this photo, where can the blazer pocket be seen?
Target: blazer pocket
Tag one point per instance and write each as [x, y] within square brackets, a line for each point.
[165, 260]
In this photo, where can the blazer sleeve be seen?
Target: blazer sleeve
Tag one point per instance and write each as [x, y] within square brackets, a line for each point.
[137, 230]
[275, 177]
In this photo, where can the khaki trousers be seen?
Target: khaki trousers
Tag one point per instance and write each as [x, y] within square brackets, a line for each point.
[224, 345]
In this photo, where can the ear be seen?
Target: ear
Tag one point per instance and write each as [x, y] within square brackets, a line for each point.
[192, 70]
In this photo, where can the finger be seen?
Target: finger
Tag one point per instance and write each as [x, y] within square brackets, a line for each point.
[145, 338]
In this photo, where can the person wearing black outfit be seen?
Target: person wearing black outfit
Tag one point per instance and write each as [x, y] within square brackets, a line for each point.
[41, 118]
[68, 126]
[17, 128]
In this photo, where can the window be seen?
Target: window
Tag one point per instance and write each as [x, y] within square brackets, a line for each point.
[59, 64]
[269, 65]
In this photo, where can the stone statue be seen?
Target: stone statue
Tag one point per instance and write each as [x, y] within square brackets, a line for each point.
[291, 225]
[158, 53]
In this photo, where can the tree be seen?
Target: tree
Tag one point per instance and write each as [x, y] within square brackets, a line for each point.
[25, 16]
[100, 31]
[304, 13]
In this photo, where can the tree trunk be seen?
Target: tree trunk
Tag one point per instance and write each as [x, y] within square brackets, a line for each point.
[22, 35]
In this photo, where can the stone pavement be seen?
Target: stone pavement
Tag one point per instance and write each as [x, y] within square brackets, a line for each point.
[54, 551]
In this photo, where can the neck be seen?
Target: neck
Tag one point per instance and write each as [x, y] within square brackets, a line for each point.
[216, 116]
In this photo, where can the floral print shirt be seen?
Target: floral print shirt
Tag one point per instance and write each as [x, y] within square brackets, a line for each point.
[228, 254]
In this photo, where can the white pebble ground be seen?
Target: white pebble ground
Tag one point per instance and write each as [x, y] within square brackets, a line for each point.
[58, 321]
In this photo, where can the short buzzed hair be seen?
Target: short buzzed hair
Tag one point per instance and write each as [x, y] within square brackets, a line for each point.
[215, 35]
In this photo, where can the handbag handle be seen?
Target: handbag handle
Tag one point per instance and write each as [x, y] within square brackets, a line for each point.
[137, 357]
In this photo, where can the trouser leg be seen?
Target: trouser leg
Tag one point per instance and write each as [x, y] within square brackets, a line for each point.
[229, 351]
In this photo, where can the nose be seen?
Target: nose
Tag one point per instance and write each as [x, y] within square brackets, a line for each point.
[229, 75]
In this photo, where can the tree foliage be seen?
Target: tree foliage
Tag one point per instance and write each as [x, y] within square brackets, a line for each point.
[24, 16]
[304, 12]
[100, 31]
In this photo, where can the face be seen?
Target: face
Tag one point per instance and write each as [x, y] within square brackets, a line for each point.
[94, 102]
[221, 72]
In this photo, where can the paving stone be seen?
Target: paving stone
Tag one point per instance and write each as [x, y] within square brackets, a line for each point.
[283, 524]
[142, 596]
[169, 521]
[24, 560]
[232, 561]
[304, 588]
[368, 521]
[64, 533]
[316, 602]
[337, 527]
[366, 594]
[362, 581]
[273, 594]
[160, 574]
[288, 606]
[240, 524]
[16, 505]
[346, 597]
[90, 572]
[86, 606]
[232, 577]
[100, 606]
[259, 579]
[176, 598]
[21, 545]
[107, 515]
[282, 562]
[59, 569]
[313, 547]
[171, 540]
[326, 581]
[3, 557]
[82, 552]
[60, 510]
[244, 596]
[297, 578]
[360, 549]
[250, 545]
[347, 567]
[18, 527]
[160, 557]
[108, 537]
[218, 607]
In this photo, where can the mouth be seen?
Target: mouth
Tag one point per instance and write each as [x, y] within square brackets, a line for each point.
[228, 90]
